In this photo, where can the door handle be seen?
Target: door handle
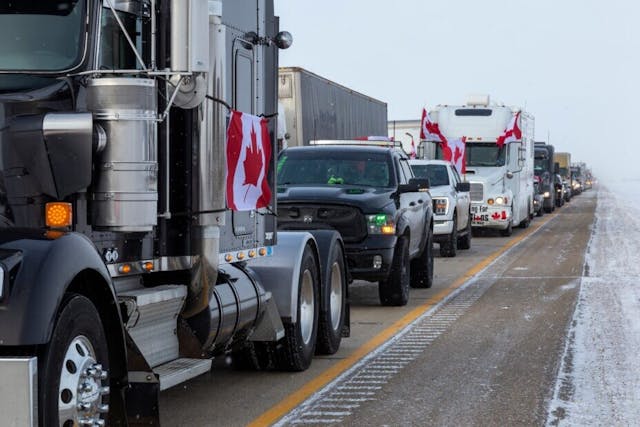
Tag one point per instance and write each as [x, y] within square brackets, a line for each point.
[419, 200]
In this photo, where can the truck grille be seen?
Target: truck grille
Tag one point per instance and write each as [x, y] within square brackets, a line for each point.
[477, 192]
[348, 221]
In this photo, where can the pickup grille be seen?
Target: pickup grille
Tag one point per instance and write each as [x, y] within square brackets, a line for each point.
[477, 192]
[348, 221]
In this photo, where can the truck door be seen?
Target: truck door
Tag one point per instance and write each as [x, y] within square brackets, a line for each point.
[414, 208]
[243, 89]
[463, 201]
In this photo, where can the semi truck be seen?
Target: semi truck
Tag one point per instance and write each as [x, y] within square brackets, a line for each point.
[544, 168]
[563, 159]
[123, 271]
[501, 177]
[316, 108]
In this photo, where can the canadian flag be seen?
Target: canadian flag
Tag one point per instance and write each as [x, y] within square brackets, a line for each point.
[456, 151]
[412, 153]
[511, 133]
[452, 149]
[429, 130]
[248, 156]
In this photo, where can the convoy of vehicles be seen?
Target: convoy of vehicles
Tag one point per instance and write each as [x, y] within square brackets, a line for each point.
[316, 108]
[123, 271]
[367, 191]
[501, 177]
[451, 204]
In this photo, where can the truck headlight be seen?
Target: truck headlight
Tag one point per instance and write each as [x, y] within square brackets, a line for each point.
[547, 194]
[440, 206]
[380, 224]
[500, 200]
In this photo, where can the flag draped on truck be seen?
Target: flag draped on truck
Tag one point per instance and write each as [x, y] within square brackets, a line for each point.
[248, 154]
[511, 133]
[453, 149]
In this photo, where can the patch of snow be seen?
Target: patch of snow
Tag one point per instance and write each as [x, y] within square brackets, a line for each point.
[599, 377]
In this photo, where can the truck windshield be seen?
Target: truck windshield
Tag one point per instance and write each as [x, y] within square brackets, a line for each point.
[330, 168]
[540, 164]
[485, 154]
[437, 174]
[41, 36]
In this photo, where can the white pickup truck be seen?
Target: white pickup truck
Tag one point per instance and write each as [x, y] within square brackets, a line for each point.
[451, 204]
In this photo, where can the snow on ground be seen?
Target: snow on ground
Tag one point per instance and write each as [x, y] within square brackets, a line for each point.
[599, 379]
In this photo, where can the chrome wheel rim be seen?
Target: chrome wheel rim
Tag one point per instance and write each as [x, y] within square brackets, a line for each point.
[335, 298]
[307, 307]
[81, 386]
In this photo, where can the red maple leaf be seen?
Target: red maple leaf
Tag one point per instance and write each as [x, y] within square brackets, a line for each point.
[252, 163]
[495, 215]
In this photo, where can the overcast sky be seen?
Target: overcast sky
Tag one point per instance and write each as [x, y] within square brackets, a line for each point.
[574, 64]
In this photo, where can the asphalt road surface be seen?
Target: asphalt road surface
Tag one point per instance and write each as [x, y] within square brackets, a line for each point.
[481, 347]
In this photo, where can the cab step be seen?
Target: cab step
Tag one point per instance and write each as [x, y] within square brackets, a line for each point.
[181, 370]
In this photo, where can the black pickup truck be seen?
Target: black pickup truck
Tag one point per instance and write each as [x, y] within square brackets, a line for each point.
[370, 195]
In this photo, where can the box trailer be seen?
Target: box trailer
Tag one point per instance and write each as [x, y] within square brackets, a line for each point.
[317, 108]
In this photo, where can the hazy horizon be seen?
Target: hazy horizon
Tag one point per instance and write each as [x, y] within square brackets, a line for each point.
[571, 64]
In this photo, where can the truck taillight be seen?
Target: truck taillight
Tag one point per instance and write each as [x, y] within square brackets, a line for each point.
[58, 214]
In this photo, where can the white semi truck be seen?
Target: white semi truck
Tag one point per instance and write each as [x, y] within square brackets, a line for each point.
[501, 177]
[122, 269]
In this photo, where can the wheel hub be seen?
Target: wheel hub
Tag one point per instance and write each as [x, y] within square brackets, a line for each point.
[81, 386]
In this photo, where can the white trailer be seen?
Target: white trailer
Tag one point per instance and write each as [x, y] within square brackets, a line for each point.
[501, 177]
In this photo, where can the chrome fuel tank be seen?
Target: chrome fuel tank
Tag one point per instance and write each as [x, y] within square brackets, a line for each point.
[126, 190]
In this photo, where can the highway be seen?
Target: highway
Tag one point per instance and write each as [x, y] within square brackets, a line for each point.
[482, 347]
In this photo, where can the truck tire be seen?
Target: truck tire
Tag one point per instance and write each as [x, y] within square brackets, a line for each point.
[464, 242]
[76, 357]
[333, 304]
[507, 231]
[394, 291]
[298, 346]
[422, 267]
[448, 248]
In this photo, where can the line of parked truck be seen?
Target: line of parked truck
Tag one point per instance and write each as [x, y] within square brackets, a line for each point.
[123, 269]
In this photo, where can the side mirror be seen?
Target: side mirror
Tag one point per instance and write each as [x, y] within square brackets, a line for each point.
[415, 185]
[463, 187]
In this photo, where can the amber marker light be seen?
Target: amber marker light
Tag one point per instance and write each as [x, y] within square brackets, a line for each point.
[125, 269]
[240, 255]
[147, 266]
[252, 253]
[58, 214]
[228, 257]
[388, 229]
[262, 251]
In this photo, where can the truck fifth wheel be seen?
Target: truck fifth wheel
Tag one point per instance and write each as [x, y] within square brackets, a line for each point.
[122, 270]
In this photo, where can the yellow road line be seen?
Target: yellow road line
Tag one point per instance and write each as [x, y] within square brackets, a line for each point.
[290, 402]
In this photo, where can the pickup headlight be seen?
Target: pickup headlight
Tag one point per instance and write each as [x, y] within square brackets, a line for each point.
[440, 206]
[380, 224]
